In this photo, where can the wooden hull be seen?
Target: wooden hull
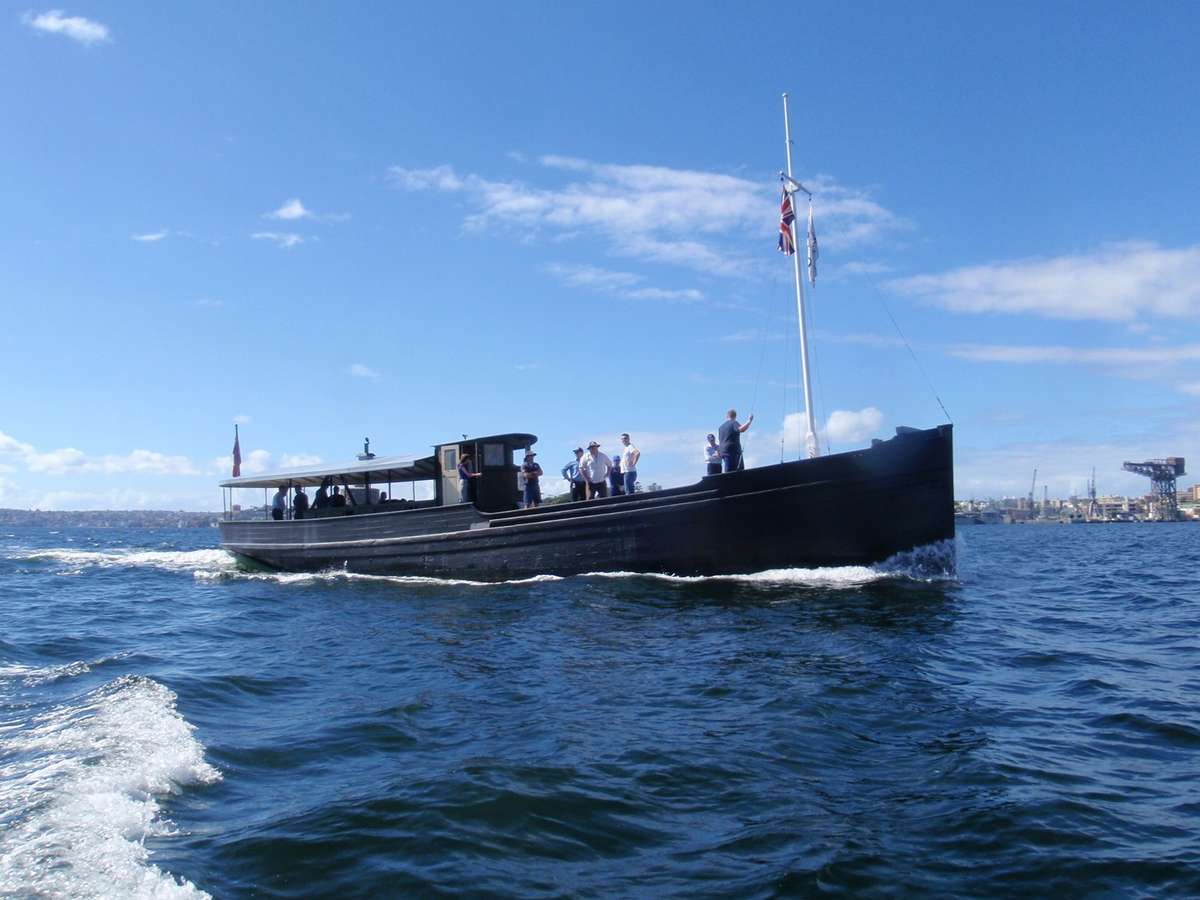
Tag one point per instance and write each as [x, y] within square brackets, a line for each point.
[851, 508]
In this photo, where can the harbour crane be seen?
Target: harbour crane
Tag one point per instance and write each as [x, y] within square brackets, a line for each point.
[1162, 474]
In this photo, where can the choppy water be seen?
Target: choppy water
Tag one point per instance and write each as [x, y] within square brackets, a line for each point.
[173, 726]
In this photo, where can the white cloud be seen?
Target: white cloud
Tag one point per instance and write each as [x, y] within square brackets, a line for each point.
[358, 370]
[291, 210]
[699, 220]
[256, 462]
[299, 460]
[624, 284]
[150, 237]
[1117, 282]
[671, 295]
[241, 419]
[1057, 354]
[284, 240]
[69, 459]
[77, 28]
[208, 303]
[847, 426]
[860, 267]
[843, 426]
[1191, 388]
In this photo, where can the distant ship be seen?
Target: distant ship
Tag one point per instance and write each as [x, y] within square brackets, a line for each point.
[854, 508]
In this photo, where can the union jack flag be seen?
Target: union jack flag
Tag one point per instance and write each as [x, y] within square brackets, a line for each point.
[786, 218]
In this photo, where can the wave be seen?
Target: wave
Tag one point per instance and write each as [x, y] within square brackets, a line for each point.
[168, 560]
[81, 794]
[933, 562]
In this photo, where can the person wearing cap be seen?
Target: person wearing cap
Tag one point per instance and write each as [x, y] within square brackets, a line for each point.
[629, 462]
[532, 472]
[595, 466]
[574, 476]
[712, 455]
[616, 486]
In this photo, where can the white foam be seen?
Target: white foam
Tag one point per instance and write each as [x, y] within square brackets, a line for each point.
[210, 560]
[80, 794]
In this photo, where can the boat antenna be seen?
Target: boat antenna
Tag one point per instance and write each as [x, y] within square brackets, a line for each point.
[791, 185]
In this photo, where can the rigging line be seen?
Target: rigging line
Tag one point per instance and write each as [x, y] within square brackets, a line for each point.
[762, 352]
[920, 368]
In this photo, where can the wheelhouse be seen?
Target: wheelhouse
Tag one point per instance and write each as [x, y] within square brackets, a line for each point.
[392, 484]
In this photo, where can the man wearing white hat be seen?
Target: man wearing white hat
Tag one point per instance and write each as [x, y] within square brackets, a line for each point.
[595, 466]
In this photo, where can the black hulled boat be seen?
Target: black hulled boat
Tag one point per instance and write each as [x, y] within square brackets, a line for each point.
[859, 507]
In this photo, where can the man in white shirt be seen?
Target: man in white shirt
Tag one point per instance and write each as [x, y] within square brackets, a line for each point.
[629, 460]
[595, 465]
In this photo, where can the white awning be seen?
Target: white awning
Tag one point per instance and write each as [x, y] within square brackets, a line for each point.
[377, 471]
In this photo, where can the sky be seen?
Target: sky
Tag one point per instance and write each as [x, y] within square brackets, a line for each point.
[325, 222]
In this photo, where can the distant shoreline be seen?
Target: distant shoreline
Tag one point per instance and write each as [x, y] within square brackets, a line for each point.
[109, 518]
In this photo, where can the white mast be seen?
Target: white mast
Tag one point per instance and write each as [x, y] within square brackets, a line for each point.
[810, 436]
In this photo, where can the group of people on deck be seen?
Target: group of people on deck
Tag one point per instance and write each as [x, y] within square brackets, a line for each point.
[595, 474]
[726, 453]
[591, 474]
[328, 494]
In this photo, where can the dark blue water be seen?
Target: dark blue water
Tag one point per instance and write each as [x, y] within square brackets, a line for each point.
[170, 725]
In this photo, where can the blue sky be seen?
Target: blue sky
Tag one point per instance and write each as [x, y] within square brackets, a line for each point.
[394, 221]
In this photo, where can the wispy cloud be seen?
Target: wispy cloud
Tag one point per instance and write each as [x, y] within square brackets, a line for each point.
[624, 284]
[358, 370]
[695, 219]
[241, 419]
[1058, 354]
[1117, 282]
[77, 28]
[208, 303]
[283, 240]
[298, 460]
[293, 210]
[861, 267]
[150, 237]
[69, 459]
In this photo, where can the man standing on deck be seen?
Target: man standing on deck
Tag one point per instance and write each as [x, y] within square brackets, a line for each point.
[532, 471]
[573, 475]
[730, 433]
[279, 503]
[595, 466]
[629, 462]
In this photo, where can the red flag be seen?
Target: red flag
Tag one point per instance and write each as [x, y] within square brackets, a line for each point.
[786, 218]
[237, 454]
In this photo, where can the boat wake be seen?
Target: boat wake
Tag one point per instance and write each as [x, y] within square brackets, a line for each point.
[81, 790]
[77, 561]
[931, 563]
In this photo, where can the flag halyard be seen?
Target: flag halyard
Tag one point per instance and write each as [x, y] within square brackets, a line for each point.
[813, 251]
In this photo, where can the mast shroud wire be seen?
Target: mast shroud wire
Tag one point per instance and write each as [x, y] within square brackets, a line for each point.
[908, 346]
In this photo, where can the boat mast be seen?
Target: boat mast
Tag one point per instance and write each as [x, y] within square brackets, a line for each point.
[810, 436]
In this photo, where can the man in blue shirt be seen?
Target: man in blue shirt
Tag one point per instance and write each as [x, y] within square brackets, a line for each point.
[572, 474]
[730, 433]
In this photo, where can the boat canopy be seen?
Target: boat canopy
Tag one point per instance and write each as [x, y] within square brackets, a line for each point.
[374, 471]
